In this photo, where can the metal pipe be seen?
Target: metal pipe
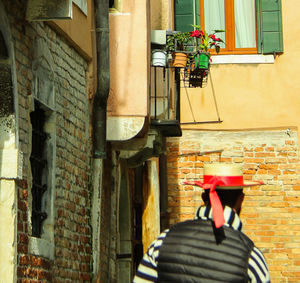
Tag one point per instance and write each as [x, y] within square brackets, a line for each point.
[204, 122]
[101, 8]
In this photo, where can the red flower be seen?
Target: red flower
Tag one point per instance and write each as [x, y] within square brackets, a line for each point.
[212, 36]
[217, 39]
[196, 33]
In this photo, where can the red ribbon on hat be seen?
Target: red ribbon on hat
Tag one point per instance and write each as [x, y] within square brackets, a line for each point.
[216, 204]
[210, 182]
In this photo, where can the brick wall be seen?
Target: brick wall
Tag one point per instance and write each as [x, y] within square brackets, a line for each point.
[270, 212]
[72, 233]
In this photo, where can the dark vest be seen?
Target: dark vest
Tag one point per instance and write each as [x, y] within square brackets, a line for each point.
[195, 251]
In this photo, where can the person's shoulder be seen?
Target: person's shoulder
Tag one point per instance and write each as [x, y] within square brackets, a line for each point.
[157, 242]
[258, 270]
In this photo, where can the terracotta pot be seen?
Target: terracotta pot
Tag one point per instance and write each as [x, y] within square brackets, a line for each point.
[180, 59]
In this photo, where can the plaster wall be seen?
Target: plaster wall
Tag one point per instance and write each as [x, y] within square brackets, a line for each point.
[252, 95]
[7, 234]
[129, 60]
[160, 19]
[79, 29]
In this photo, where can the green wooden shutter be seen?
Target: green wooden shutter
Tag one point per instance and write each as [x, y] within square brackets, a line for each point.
[269, 26]
[184, 15]
[197, 12]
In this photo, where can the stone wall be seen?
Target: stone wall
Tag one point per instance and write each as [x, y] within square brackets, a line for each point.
[270, 212]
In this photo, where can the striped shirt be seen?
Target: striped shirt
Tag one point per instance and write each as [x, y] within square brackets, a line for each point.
[257, 268]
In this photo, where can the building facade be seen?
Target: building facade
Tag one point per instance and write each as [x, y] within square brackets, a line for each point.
[72, 215]
[45, 149]
[248, 114]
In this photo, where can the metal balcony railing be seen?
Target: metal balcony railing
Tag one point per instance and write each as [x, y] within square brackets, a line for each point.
[165, 100]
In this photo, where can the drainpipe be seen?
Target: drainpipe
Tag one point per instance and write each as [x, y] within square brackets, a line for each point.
[101, 13]
[101, 8]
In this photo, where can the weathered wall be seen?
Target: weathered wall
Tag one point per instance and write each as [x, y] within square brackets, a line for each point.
[129, 60]
[7, 235]
[150, 219]
[80, 30]
[252, 95]
[72, 232]
[270, 212]
[160, 19]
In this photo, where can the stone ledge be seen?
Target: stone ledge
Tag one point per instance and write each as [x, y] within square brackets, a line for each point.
[242, 59]
[11, 161]
[41, 247]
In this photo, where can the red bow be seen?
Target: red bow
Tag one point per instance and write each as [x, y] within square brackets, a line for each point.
[216, 204]
[210, 183]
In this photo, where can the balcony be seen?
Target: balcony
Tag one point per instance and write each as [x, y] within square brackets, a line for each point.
[165, 100]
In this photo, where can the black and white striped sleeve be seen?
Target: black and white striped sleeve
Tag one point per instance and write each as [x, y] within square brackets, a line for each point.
[257, 269]
[147, 269]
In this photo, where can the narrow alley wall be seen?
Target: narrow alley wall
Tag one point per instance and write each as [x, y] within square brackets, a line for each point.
[63, 252]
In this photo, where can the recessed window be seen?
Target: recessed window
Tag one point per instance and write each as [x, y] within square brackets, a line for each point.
[38, 168]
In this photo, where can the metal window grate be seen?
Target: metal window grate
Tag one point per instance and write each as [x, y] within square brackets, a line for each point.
[38, 165]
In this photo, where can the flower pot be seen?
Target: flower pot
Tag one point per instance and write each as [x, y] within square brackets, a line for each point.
[197, 77]
[180, 59]
[159, 58]
[202, 60]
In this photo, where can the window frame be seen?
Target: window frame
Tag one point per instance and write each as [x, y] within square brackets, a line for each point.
[269, 31]
[230, 30]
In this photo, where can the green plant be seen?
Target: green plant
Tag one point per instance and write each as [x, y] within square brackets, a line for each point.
[205, 41]
[177, 41]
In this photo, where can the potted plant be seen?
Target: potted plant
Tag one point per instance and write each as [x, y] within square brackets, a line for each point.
[176, 43]
[203, 43]
[199, 64]
[159, 57]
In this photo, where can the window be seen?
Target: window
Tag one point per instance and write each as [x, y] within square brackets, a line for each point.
[38, 168]
[251, 26]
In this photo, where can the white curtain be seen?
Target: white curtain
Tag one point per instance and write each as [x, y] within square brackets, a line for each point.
[214, 17]
[244, 14]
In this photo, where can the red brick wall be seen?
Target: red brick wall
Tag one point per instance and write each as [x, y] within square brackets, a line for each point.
[72, 232]
[30, 268]
[270, 212]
